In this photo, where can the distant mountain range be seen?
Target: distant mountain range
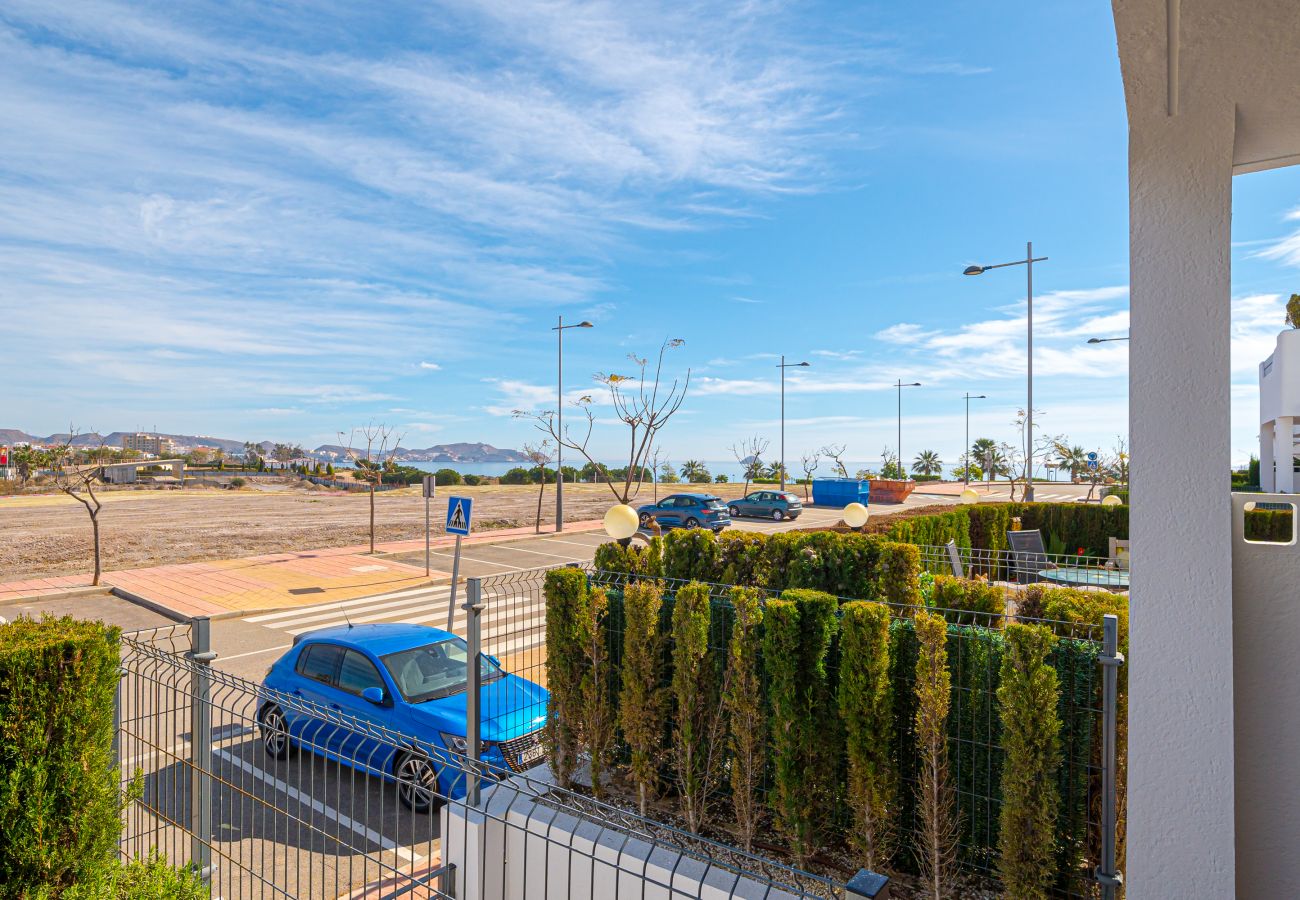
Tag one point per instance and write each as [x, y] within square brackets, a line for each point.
[452, 453]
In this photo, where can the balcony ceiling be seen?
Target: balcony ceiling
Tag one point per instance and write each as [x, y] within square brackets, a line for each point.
[1183, 53]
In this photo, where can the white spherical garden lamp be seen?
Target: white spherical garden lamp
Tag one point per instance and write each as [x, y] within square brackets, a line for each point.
[969, 496]
[1111, 500]
[621, 522]
[855, 515]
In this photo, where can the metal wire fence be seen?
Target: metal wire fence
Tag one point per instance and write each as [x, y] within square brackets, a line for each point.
[974, 728]
[1061, 569]
[272, 795]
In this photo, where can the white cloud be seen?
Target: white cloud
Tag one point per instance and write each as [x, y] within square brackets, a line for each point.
[429, 366]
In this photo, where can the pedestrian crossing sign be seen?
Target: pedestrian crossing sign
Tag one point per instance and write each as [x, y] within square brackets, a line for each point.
[459, 513]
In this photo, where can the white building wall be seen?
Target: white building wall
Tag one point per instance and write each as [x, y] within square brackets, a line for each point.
[1180, 806]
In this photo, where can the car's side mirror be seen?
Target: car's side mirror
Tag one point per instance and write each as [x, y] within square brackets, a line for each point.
[374, 694]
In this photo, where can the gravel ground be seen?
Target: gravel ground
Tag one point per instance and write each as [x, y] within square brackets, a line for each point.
[43, 534]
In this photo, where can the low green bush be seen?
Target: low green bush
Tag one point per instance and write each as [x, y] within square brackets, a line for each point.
[973, 600]
[690, 554]
[641, 560]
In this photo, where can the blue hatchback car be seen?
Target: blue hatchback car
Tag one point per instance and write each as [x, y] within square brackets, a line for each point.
[686, 511]
[408, 679]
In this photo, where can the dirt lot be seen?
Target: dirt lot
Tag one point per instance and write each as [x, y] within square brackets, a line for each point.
[50, 534]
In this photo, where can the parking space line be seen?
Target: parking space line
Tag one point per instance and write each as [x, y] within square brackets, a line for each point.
[482, 562]
[328, 812]
[574, 543]
[337, 604]
[254, 653]
[538, 552]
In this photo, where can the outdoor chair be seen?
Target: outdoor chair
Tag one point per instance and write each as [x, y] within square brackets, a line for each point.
[1119, 553]
[1028, 555]
[954, 559]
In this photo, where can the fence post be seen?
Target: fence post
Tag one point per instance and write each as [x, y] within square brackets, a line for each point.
[1111, 659]
[201, 746]
[473, 683]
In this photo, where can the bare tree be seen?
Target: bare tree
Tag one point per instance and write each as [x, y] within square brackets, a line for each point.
[836, 453]
[643, 402]
[381, 447]
[1119, 454]
[809, 462]
[749, 453]
[540, 455]
[657, 459]
[1018, 455]
[75, 473]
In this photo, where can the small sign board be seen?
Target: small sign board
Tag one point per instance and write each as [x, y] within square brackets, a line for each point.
[1092, 456]
[430, 486]
[460, 511]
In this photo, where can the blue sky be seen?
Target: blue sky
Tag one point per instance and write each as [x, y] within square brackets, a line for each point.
[279, 220]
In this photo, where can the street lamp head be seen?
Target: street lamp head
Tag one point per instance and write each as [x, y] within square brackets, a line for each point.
[913, 384]
[804, 364]
[974, 270]
[585, 324]
[1094, 340]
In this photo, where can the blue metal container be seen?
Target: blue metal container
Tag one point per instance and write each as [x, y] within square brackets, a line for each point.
[840, 491]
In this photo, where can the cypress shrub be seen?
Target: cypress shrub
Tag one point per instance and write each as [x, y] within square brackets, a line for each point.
[841, 564]
[866, 710]
[740, 556]
[1071, 605]
[900, 568]
[972, 601]
[642, 700]
[567, 620]
[597, 722]
[975, 739]
[698, 735]
[1027, 698]
[745, 712]
[937, 824]
[799, 628]
[634, 559]
[691, 554]
[59, 791]
[780, 551]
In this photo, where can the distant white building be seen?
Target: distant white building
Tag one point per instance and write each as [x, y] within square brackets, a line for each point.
[1279, 412]
[147, 443]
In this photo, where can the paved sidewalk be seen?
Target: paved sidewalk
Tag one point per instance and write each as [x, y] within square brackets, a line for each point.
[271, 581]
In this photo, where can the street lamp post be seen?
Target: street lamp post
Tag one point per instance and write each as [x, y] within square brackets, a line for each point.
[783, 366]
[1028, 263]
[966, 452]
[559, 419]
[899, 384]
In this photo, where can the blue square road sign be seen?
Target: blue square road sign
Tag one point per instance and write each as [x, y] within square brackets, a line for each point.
[460, 511]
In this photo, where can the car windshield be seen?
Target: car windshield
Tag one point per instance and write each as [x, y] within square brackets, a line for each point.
[715, 503]
[434, 671]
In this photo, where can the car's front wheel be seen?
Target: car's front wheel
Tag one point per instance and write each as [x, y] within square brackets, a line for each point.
[734, 511]
[417, 782]
[778, 515]
[275, 731]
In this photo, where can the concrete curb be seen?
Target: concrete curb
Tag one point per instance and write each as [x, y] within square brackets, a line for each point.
[68, 594]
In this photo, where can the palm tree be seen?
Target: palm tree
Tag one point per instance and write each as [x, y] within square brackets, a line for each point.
[695, 472]
[927, 462]
[1073, 458]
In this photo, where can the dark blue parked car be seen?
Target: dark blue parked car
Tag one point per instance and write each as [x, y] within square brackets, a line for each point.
[408, 679]
[775, 505]
[686, 511]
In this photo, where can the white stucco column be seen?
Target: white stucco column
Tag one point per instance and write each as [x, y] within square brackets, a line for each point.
[1284, 453]
[1180, 808]
[1267, 483]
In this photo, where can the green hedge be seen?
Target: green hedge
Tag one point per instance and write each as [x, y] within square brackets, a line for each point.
[860, 566]
[1272, 525]
[778, 660]
[985, 526]
[60, 793]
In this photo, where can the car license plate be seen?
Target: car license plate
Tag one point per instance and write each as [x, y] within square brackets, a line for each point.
[531, 756]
